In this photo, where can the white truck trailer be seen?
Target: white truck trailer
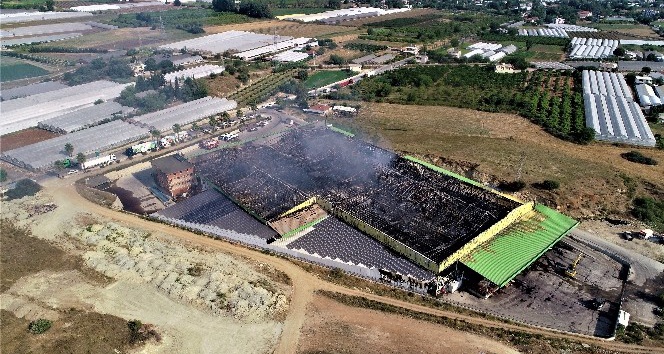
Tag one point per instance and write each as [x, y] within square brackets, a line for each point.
[98, 161]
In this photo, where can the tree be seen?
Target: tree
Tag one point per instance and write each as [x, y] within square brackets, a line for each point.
[194, 126]
[619, 52]
[646, 70]
[50, 5]
[212, 121]
[255, 9]
[156, 134]
[3, 175]
[69, 149]
[223, 5]
[239, 113]
[80, 158]
[334, 4]
[176, 130]
[336, 59]
[177, 3]
[302, 74]
[59, 165]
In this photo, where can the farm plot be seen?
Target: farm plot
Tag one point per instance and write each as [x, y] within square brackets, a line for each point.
[260, 90]
[15, 70]
[323, 78]
[284, 28]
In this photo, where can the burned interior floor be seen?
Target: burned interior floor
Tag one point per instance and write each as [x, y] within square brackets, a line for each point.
[430, 212]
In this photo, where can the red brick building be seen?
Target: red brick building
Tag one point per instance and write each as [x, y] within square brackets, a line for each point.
[174, 176]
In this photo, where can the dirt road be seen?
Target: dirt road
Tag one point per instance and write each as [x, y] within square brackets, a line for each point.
[304, 283]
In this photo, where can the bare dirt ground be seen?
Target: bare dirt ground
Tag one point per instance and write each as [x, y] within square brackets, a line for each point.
[338, 328]
[24, 138]
[191, 295]
[285, 28]
[613, 233]
[595, 180]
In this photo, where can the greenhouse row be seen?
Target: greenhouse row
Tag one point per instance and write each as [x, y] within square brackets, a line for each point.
[185, 113]
[45, 29]
[26, 112]
[235, 41]
[85, 117]
[96, 139]
[342, 14]
[611, 110]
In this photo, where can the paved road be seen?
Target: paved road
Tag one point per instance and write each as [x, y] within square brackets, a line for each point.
[304, 283]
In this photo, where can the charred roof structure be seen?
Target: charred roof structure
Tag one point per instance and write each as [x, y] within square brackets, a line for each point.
[431, 213]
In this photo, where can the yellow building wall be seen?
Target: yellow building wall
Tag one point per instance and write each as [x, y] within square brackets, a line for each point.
[488, 234]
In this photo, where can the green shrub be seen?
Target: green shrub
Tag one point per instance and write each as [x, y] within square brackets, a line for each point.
[638, 157]
[39, 326]
[513, 186]
[25, 187]
[650, 211]
[548, 185]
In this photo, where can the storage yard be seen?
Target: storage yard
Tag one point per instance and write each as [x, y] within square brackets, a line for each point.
[592, 48]
[337, 16]
[21, 113]
[611, 110]
[196, 72]
[85, 117]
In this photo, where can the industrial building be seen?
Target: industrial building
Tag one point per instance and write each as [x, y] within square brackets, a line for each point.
[26, 112]
[296, 181]
[611, 110]
[175, 176]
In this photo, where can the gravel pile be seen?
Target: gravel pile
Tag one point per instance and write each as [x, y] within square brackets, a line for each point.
[216, 282]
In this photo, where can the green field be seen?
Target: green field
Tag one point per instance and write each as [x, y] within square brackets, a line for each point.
[179, 18]
[17, 70]
[323, 78]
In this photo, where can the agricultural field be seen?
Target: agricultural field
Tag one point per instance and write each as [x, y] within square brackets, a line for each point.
[179, 19]
[260, 90]
[479, 87]
[415, 13]
[126, 38]
[323, 78]
[630, 29]
[543, 52]
[430, 27]
[285, 28]
[12, 69]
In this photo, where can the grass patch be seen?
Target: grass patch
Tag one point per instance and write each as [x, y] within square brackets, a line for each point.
[637, 157]
[179, 18]
[323, 78]
[18, 71]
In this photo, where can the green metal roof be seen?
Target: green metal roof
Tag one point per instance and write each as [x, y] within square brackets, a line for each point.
[515, 248]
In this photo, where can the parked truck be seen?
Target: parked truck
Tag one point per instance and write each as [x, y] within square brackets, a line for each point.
[98, 161]
[141, 148]
[230, 135]
[210, 144]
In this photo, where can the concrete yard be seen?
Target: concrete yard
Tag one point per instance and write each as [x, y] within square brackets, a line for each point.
[544, 296]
